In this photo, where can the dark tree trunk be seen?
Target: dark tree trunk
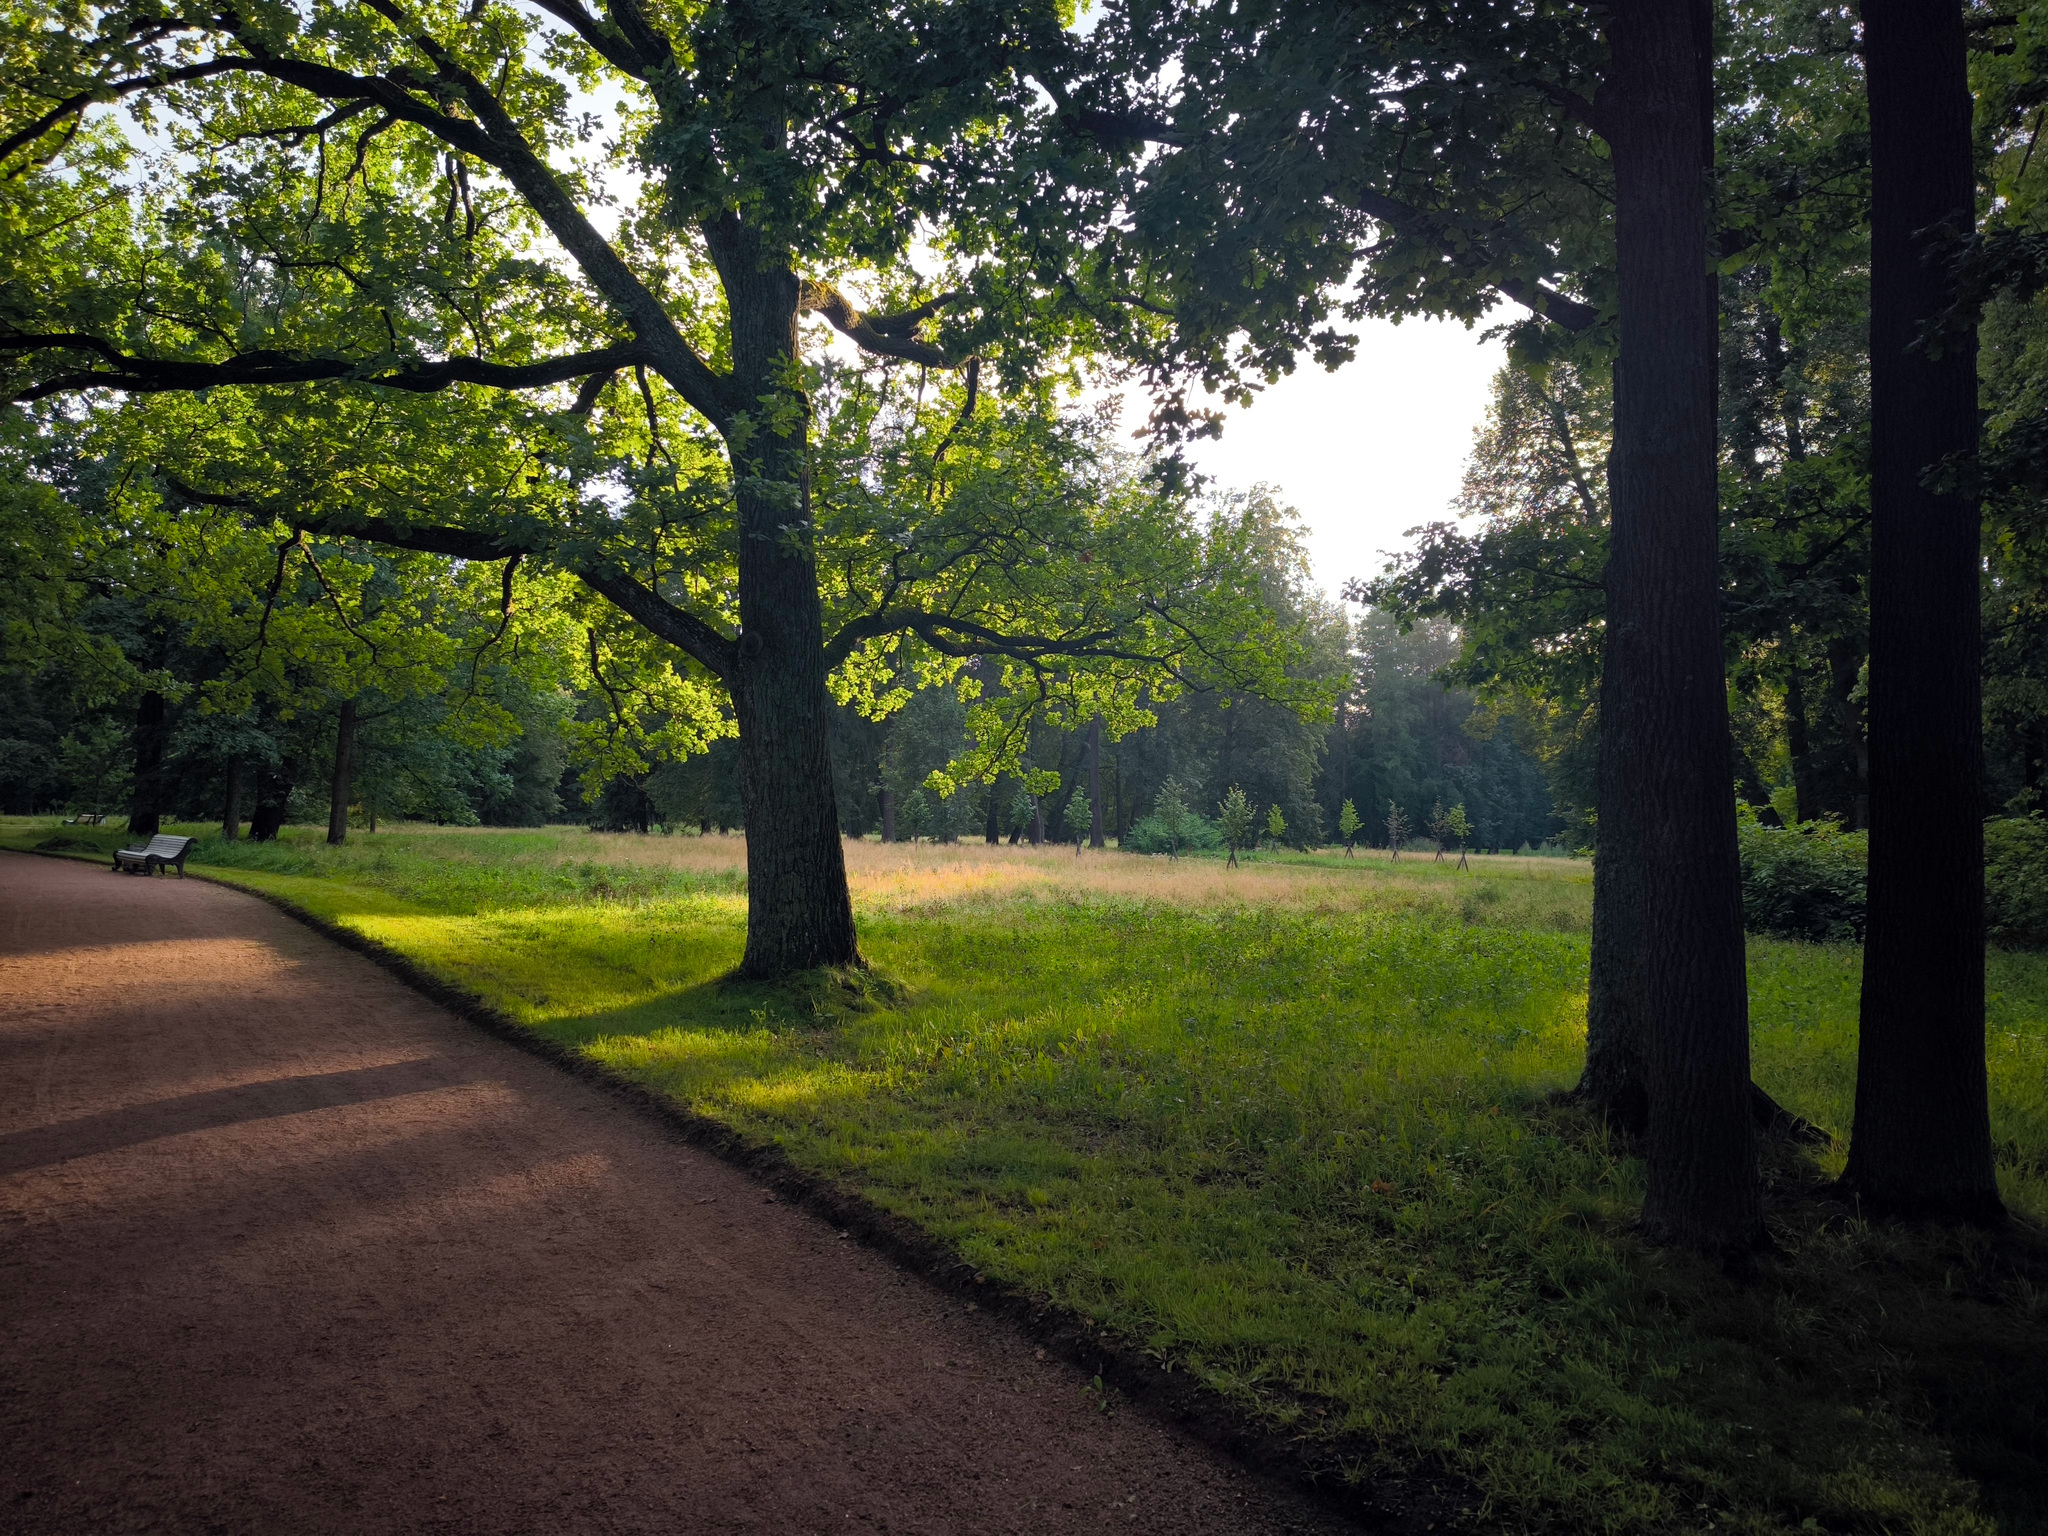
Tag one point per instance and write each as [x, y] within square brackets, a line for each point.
[1617, 1023]
[344, 773]
[888, 814]
[152, 731]
[1095, 782]
[1037, 823]
[231, 811]
[799, 912]
[992, 832]
[1922, 1142]
[1663, 584]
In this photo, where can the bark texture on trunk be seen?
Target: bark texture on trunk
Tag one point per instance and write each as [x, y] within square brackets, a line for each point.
[231, 809]
[1922, 1141]
[339, 786]
[799, 912]
[1663, 609]
[1615, 1080]
[1095, 782]
[152, 732]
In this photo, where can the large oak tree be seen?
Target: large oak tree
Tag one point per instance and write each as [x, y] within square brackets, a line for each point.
[384, 214]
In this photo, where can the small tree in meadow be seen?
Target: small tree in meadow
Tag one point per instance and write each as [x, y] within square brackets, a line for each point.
[1024, 812]
[1077, 818]
[1172, 811]
[1235, 819]
[1459, 825]
[1347, 827]
[1440, 829]
[1397, 828]
[1276, 826]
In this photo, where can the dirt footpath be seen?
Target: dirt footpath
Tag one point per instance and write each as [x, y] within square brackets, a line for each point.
[284, 1247]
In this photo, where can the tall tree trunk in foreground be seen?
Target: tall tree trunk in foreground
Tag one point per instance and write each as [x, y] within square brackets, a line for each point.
[344, 773]
[1095, 782]
[1615, 1080]
[231, 810]
[1662, 607]
[1922, 1143]
[152, 730]
[799, 911]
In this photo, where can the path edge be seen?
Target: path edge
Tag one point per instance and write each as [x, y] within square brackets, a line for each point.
[1437, 1501]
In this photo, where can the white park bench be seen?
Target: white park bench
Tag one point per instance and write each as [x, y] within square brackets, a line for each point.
[163, 852]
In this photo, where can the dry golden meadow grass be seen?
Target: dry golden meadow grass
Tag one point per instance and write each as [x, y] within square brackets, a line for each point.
[898, 877]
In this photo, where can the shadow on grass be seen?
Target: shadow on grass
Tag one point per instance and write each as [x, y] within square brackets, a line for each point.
[1305, 1160]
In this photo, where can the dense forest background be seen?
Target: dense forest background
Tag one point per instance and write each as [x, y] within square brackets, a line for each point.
[1399, 735]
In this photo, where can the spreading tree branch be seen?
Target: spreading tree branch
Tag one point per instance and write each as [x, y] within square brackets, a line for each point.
[152, 375]
[884, 335]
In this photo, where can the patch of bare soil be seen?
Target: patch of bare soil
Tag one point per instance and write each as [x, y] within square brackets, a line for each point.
[285, 1247]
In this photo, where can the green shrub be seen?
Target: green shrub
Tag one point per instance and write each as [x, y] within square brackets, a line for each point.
[1806, 883]
[2016, 881]
[1197, 835]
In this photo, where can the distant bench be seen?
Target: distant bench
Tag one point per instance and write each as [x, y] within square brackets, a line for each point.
[163, 852]
[85, 819]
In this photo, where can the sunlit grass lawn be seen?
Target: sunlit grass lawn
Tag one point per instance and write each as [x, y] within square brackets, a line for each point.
[1288, 1128]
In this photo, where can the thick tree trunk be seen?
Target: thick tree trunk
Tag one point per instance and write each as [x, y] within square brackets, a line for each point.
[344, 773]
[1095, 783]
[1663, 585]
[231, 810]
[152, 731]
[992, 831]
[1922, 1142]
[1617, 1025]
[799, 912]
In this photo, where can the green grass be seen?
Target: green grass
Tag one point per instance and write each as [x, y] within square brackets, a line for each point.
[1304, 1149]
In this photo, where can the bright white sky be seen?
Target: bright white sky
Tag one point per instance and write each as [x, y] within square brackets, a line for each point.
[1368, 452]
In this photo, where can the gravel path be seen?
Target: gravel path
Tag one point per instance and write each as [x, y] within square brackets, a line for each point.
[284, 1247]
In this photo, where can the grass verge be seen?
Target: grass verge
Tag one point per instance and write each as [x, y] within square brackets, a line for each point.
[1303, 1152]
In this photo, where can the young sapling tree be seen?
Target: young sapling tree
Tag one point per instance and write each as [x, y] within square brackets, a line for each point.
[1459, 825]
[1397, 829]
[1440, 829]
[1235, 819]
[1077, 818]
[1347, 827]
[1276, 826]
